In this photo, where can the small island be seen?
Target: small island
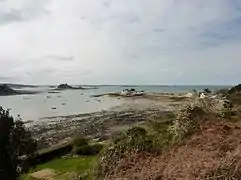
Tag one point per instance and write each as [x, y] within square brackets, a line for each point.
[66, 87]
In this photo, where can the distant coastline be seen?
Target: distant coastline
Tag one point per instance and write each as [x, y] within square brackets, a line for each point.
[19, 86]
[8, 90]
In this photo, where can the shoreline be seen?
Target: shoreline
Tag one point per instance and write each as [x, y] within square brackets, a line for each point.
[101, 125]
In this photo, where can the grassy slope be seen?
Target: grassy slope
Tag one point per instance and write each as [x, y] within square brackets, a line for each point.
[66, 165]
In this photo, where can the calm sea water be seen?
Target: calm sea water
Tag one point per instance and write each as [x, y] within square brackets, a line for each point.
[44, 104]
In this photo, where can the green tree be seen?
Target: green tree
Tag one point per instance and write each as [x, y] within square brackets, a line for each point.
[16, 146]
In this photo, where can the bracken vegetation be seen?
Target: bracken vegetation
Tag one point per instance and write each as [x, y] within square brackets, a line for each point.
[227, 169]
[154, 151]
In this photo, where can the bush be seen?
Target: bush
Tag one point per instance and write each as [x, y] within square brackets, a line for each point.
[79, 141]
[227, 111]
[52, 154]
[189, 116]
[97, 148]
[16, 146]
[234, 95]
[222, 92]
[87, 150]
[84, 150]
[161, 137]
[132, 141]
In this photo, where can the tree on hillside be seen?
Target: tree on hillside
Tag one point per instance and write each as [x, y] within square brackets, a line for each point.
[16, 145]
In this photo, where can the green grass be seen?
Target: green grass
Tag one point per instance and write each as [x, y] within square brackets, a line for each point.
[66, 165]
[69, 164]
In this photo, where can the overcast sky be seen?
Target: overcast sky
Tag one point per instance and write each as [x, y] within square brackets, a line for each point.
[120, 41]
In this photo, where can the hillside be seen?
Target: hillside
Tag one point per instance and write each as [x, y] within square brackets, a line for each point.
[19, 86]
[6, 90]
[202, 141]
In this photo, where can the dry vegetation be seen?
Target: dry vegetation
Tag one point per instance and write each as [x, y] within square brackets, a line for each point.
[199, 142]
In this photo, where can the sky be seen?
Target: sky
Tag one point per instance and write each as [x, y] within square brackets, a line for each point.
[120, 41]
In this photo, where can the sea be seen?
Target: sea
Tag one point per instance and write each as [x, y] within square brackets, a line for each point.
[33, 107]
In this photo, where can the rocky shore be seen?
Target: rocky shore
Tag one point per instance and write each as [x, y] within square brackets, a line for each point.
[100, 126]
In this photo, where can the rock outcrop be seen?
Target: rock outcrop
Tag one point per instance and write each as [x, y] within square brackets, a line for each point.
[66, 86]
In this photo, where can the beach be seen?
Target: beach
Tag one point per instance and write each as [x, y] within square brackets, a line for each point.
[55, 118]
[101, 125]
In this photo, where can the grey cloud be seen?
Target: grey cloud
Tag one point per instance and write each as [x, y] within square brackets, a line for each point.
[43, 71]
[158, 30]
[26, 13]
[18, 15]
[134, 19]
[13, 15]
[106, 4]
[82, 17]
[60, 58]
[6, 78]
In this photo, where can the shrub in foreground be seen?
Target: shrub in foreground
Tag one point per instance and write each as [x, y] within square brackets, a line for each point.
[87, 150]
[16, 145]
[227, 110]
[83, 150]
[79, 141]
[134, 140]
[190, 115]
[161, 134]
